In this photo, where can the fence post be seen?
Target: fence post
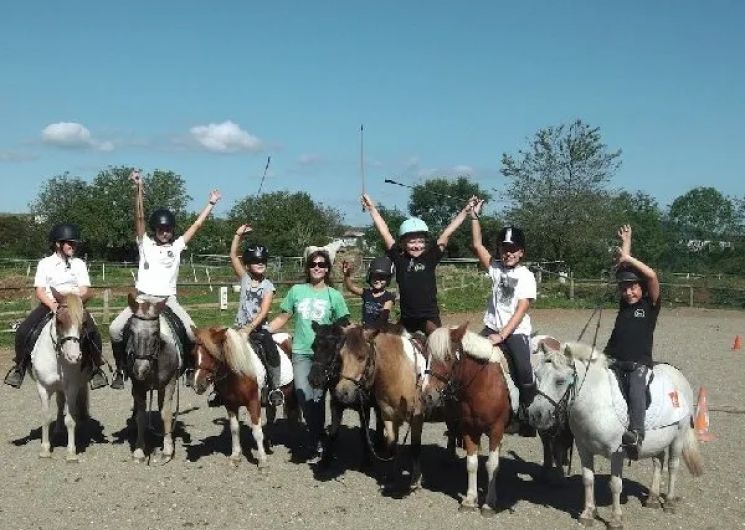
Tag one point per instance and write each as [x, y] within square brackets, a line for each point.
[571, 286]
[690, 296]
[106, 308]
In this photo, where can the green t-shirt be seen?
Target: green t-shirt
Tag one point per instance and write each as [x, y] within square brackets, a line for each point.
[307, 305]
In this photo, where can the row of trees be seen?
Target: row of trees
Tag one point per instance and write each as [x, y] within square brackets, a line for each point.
[558, 189]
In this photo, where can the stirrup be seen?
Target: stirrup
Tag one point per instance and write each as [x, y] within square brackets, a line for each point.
[276, 397]
[98, 379]
[14, 377]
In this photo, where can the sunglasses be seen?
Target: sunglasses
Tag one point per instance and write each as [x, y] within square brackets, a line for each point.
[319, 265]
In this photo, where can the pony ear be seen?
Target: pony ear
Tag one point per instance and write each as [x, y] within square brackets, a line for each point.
[132, 303]
[568, 352]
[458, 333]
[218, 335]
[548, 344]
[57, 296]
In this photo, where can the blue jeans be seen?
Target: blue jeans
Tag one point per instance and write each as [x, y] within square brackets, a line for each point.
[311, 400]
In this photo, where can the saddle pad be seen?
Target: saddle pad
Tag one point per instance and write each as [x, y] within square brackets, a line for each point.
[668, 405]
[414, 355]
[285, 367]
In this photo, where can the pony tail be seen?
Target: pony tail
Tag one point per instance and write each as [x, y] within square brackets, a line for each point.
[691, 454]
[237, 353]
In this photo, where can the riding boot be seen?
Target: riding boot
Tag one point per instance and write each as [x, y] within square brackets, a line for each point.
[276, 397]
[527, 394]
[119, 350]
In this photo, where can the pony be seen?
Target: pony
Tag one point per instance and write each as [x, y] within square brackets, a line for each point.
[575, 384]
[225, 359]
[58, 368]
[465, 375]
[331, 249]
[383, 364]
[324, 373]
[152, 363]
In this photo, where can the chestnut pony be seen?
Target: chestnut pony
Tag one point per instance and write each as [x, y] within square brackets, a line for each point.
[224, 359]
[464, 373]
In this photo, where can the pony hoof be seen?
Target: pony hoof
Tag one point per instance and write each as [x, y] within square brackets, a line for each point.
[468, 507]
[615, 524]
[586, 521]
[234, 462]
[72, 459]
[670, 507]
[45, 453]
[653, 502]
[487, 511]
[138, 456]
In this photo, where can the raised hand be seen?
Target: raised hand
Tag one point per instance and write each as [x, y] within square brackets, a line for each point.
[367, 202]
[346, 268]
[215, 196]
[135, 177]
[243, 230]
[478, 204]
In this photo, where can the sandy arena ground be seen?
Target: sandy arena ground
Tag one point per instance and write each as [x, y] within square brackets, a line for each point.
[198, 489]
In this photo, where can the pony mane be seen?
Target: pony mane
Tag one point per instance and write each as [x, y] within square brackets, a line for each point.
[577, 351]
[474, 345]
[237, 354]
[439, 345]
[75, 309]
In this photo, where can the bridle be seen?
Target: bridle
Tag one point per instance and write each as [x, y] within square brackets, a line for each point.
[452, 385]
[153, 353]
[59, 342]
[363, 382]
[214, 375]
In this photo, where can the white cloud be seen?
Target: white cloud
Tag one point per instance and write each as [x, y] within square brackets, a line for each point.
[73, 135]
[461, 170]
[310, 159]
[225, 137]
[16, 156]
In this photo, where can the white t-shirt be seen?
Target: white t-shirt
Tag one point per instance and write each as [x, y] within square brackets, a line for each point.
[64, 275]
[159, 264]
[508, 287]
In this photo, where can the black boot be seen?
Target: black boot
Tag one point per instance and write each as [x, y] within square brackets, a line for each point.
[276, 397]
[14, 377]
[119, 350]
[527, 394]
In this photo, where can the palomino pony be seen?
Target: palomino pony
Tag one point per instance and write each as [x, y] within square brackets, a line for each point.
[224, 359]
[325, 373]
[576, 382]
[385, 365]
[152, 363]
[58, 368]
[465, 375]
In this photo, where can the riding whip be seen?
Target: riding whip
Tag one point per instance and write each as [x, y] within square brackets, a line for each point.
[266, 168]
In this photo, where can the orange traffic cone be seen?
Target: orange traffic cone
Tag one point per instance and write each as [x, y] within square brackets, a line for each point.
[701, 423]
[737, 344]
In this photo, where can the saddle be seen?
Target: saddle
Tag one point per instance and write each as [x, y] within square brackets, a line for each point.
[622, 370]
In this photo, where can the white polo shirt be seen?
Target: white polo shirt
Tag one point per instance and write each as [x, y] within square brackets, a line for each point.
[65, 276]
[159, 265]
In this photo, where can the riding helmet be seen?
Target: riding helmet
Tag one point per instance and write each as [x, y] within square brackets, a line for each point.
[380, 266]
[511, 235]
[64, 232]
[413, 225]
[628, 274]
[255, 254]
[162, 218]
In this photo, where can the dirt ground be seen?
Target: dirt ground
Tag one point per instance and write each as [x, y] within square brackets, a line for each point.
[198, 489]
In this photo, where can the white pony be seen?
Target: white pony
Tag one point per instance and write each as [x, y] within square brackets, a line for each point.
[58, 368]
[575, 382]
[331, 249]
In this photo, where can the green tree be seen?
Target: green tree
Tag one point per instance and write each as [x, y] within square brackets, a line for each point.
[287, 222]
[393, 218]
[438, 200]
[651, 241]
[704, 213]
[21, 236]
[558, 193]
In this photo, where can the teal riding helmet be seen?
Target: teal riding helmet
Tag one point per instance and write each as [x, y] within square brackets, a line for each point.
[413, 225]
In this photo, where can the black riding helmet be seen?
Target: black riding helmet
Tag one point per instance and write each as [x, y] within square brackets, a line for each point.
[628, 274]
[380, 266]
[64, 232]
[255, 253]
[511, 235]
[162, 218]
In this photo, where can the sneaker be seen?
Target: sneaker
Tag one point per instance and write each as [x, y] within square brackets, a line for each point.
[117, 383]
[14, 377]
[316, 456]
[276, 398]
[98, 379]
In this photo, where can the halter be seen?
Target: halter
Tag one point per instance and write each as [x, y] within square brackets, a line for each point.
[58, 343]
[155, 352]
[452, 385]
[214, 375]
[362, 382]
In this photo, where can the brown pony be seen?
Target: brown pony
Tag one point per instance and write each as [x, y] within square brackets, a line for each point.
[224, 358]
[377, 363]
[465, 372]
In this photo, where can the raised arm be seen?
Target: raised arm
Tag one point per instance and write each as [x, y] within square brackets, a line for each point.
[347, 270]
[378, 221]
[277, 322]
[213, 199]
[139, 203]
[442, 241]
[625, 257]
[477, 243]
[235, 259]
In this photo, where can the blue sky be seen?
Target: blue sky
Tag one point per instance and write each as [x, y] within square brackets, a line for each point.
[210, 89]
